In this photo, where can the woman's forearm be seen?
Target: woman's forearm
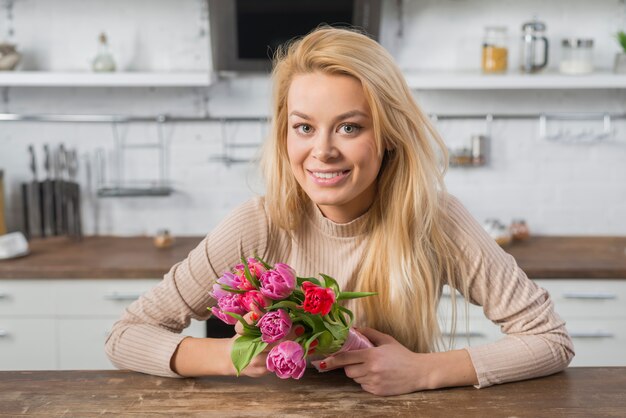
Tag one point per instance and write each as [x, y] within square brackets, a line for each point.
[452, 368]
[203, 357]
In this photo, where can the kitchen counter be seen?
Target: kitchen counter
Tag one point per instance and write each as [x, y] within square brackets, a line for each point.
[136, 257]
[575, 392]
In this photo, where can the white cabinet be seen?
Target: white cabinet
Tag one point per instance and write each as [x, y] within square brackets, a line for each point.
[594, 311]
[62, 324]
[595, 316]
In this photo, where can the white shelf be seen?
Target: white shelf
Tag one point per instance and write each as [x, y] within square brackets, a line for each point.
[448, 80]
[87, 79]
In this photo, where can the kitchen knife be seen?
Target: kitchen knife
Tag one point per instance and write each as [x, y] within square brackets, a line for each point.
[59, 167]
[48, 187]
[25, 210]
[34, 195]
[3, 225]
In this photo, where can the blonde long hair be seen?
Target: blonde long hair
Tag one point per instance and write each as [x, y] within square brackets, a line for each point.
[410, 256]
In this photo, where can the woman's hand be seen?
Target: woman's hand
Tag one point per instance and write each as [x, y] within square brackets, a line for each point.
[389, 368]
[257, 367]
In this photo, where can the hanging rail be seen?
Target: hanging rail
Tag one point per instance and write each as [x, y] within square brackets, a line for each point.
[8, 117]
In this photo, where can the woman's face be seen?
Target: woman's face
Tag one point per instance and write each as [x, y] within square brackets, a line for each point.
[331, 144]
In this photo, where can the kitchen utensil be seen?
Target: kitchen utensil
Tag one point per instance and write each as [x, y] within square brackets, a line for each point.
[3, 225]
[59, 201]
[13, 245]
[534, 47]
[73, 196]
[34, 196]
[48, 188]
[25, 210]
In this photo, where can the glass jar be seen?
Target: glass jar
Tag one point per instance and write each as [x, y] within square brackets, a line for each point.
[519, 230]
[576, 56]
[495, 51]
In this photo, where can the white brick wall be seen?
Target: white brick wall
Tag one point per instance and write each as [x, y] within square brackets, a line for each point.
[559, 188]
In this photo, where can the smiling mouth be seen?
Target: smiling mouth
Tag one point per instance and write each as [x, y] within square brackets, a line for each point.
[328, 175]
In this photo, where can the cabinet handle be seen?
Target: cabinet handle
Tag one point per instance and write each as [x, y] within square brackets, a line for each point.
[3, 333]
[122, 296]
[592, 334]
[471, 334]
[588, 295]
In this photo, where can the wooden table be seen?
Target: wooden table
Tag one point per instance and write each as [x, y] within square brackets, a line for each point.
[136, 257]
[576, 392]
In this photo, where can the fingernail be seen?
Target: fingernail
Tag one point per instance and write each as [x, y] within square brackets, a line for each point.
[314, 344]
[299, 330]
[254, 316]
[311, 351]
[323, 365]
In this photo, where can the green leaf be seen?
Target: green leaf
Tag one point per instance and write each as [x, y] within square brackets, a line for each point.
[313, 280]
[354, 295]
[260, 260]
[245, 348]
[231, 289]
[253, 330]
[283, 304]
[251, 278]
[330, 282]
[338, 331]
[308, 342]
[350, 314]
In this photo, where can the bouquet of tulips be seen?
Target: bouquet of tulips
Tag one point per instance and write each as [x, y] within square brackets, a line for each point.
[301, 314]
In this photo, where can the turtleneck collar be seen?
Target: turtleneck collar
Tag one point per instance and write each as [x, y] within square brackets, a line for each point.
[328, 227]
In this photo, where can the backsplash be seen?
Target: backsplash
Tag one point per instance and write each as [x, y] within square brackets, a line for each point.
[560, 189]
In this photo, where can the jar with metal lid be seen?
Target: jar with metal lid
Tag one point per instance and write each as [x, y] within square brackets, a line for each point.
[495, 51]
[576, 56]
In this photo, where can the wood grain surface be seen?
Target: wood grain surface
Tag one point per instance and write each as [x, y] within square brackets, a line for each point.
[136, 257]
[576, 392]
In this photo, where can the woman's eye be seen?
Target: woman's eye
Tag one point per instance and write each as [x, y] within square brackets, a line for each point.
[350, 128]
[304, 128]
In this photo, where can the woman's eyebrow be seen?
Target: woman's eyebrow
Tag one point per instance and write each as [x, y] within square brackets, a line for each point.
[343, 116]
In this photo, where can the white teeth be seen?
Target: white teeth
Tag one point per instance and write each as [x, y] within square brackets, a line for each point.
[327, 175]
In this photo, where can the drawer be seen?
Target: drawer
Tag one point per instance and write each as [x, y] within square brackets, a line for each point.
[26, 298]
[27, 344]
[587, 298]
[98, 297]
[81, 342]
[598, 343]
[444, 308]
[476, 331]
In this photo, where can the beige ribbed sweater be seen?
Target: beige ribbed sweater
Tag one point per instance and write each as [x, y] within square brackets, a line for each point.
[536, 341]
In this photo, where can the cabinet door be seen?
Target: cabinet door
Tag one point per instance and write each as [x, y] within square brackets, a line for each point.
[27, 344]
[81, 343]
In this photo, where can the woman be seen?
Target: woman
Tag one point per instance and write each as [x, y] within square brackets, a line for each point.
[355, 190]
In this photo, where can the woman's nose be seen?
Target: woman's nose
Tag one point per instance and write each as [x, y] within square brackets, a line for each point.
[324, 149]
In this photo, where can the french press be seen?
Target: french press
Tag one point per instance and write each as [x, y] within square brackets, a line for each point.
[534, 47]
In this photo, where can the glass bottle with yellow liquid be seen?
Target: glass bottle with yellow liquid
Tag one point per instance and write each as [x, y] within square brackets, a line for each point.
[495, 51]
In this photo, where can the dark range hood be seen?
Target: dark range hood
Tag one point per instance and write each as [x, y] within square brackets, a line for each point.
[246, 33]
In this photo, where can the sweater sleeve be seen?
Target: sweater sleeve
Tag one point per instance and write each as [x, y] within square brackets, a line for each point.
[149, 331]
[536, 341]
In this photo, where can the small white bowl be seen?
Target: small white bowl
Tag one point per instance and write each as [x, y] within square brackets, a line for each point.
[13, 245]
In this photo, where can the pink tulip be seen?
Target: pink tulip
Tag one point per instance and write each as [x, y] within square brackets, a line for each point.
[274, 326]
[286, 360]
[278, 283]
